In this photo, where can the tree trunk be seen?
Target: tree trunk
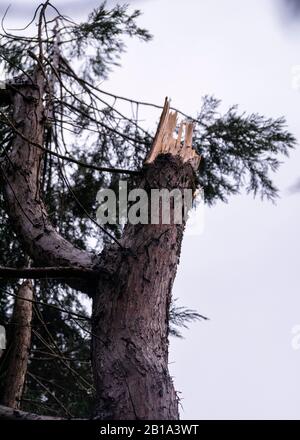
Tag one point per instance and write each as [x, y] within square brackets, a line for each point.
[131, 311]
[20, 346]
[131, 300]
[21, 175]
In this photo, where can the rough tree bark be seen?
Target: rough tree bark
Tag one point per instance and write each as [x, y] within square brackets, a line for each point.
[19, 346]
[21, 183]
[131, 312]
[132, 296]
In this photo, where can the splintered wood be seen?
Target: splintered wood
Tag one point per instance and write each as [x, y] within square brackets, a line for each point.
[165, 142]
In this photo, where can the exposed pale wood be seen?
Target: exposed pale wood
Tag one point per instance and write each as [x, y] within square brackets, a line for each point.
[166, 143]
[189, 134]
[169, 140]
[160, 129]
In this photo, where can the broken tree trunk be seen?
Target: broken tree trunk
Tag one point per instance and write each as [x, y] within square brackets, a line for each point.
[131, 309]
[19, 346]
[132, 297]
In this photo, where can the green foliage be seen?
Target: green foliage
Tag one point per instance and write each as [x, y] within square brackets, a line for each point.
[60, 350]
[181, 317]
[60, 355]
[103, 36]
[238, 151]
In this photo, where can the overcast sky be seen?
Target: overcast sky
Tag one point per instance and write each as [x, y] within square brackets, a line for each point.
[243, 271]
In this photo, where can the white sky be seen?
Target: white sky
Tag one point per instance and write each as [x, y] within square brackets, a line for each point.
[243, 271]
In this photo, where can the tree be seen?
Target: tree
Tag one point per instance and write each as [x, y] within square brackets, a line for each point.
[49, 112]
[20, 346]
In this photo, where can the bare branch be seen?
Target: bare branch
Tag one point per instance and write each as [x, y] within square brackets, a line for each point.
[7, 413]
[52, 306]
[47, 272]
[65, 158]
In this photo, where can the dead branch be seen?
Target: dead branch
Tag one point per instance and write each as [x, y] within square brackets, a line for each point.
[47, 272]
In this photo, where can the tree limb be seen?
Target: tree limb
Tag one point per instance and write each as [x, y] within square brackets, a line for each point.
[47, 272]
[52, 306]
[7, 413]
[21, 176]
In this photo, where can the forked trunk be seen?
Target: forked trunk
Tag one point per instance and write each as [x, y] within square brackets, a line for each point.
[131, 301]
